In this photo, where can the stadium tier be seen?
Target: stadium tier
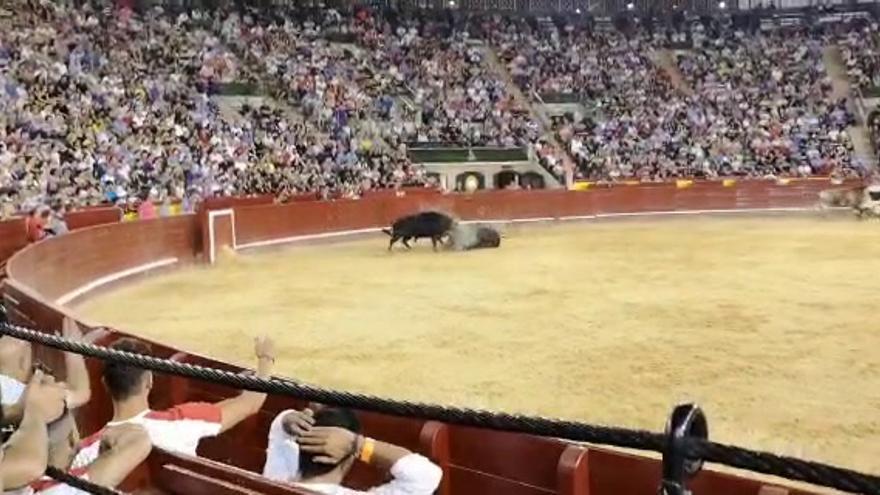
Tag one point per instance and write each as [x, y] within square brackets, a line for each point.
[668, 204]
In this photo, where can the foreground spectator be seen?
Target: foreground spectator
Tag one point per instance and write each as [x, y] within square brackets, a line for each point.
[317, 450]
[180, 428]
[123, 448]
[26, 453]
[16, 364]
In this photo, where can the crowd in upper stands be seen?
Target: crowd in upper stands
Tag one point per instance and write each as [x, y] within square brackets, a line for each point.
[115, 107]
[102, 109]
[747, 105]
[314, 448]
[860, 49]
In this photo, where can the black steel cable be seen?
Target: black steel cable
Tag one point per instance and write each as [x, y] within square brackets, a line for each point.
[79, 483]
[761, 462]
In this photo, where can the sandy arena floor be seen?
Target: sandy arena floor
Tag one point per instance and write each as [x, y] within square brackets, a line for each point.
[770, 324]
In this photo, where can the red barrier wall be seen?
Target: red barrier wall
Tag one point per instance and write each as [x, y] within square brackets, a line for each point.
[254, 224]
[13, 235]
[477, 462]
[61, 264]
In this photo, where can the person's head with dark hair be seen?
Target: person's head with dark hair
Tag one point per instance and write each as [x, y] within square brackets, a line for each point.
[124, 381]
[317, 449]
[329, 418]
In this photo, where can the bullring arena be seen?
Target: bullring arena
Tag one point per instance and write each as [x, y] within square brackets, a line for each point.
[608, 306]
[607, 322]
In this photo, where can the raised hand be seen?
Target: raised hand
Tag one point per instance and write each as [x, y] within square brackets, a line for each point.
[70, 330]
[264, 348]
[298, 423]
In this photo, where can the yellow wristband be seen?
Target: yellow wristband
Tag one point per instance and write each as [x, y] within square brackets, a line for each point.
[367, 450]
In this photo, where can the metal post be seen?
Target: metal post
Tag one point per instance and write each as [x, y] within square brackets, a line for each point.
[686, 422]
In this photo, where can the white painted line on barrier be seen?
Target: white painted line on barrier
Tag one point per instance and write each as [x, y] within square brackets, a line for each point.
[700, 212]
[11, 299]
[343, 233]
[113, 277]
[307, 237]
[514, 220]
[577, 217]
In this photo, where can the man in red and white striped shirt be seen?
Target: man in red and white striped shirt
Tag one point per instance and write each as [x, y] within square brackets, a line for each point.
[180, 428]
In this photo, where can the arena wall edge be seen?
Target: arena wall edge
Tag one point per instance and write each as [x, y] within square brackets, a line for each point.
[93, 258]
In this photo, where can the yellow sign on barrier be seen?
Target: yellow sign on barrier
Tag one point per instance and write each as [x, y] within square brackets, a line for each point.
[581, 185]
[728, 182]
[681, 184]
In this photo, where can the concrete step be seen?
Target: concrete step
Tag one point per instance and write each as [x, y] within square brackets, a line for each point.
[499, 68]
[836, 70]
[535, 110]
[665, 60]
[863, 145]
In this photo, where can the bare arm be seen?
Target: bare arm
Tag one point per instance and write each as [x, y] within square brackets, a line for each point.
[411, 473]
[237, 409]
[77, 375]
[124, 448]
[27, 452]
[385, 455]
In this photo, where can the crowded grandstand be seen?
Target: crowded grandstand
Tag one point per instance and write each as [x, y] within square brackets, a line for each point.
[107, 107]
[157, 110]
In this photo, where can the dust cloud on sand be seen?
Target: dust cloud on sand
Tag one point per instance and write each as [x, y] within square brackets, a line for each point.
[769, 324]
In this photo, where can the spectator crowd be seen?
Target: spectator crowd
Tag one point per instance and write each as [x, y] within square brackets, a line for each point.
[314, 448]
[121, 108]
[860, 49]
[747, 105]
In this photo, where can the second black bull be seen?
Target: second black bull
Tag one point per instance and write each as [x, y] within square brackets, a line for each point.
[429, 224]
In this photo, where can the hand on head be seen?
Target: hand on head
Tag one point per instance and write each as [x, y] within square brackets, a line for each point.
[298, 423]
[327, 444]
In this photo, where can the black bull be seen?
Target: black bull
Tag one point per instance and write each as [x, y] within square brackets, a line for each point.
[428, 224]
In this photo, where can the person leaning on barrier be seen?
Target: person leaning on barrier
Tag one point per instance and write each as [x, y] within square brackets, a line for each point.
[180, 428]
[25, 455]
[16, 365]
[317, 450]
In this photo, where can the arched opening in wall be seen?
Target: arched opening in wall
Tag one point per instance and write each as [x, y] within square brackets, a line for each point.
[531, 180]
[470, 181]
[506, 179]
